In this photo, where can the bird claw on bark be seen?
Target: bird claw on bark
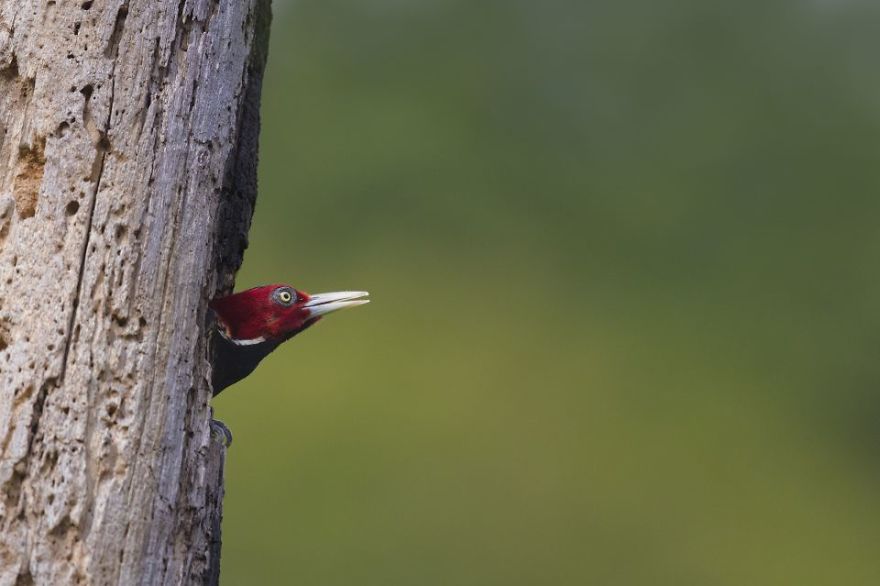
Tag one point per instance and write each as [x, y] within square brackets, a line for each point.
[220, 433]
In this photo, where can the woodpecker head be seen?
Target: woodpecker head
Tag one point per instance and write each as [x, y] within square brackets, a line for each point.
[275, 313]
[254, 322]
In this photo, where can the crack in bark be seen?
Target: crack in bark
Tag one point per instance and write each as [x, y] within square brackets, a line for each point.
[101, 149]
[112, 49]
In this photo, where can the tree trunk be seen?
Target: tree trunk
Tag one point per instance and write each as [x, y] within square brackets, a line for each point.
[128, 138]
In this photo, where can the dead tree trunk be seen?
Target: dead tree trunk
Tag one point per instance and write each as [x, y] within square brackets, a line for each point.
[128, 137]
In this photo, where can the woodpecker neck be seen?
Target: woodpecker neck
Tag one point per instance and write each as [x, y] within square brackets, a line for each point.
[233, 361]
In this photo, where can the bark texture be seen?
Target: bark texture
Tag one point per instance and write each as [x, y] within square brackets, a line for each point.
[128, 137]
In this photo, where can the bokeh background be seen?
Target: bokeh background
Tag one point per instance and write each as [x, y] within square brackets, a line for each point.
[624, 265]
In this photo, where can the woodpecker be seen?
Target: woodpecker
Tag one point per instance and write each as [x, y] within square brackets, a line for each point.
[249, 325]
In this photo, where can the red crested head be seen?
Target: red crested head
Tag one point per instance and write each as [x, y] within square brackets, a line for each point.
[276, 312]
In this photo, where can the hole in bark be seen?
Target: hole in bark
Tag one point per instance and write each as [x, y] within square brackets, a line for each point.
[11, 70]
[76, 28]
[87, 91]
[29, 178]
[120, 232]
[72, 208]
[87, 5]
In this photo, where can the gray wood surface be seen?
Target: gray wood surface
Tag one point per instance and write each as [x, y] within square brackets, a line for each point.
[128, 137]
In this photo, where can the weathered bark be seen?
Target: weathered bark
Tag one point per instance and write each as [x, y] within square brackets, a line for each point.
[127, 181]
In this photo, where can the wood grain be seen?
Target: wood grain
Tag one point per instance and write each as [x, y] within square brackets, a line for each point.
[128, 145]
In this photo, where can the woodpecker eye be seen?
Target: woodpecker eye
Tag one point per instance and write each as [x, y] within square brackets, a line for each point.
[284, 296]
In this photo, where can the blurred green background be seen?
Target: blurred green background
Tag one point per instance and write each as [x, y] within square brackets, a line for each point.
[624, 265]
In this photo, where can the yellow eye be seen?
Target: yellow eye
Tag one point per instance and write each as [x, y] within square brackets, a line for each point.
[285, 296]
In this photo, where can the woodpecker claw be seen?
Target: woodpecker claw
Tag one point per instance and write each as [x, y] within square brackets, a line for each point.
[221, 433]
